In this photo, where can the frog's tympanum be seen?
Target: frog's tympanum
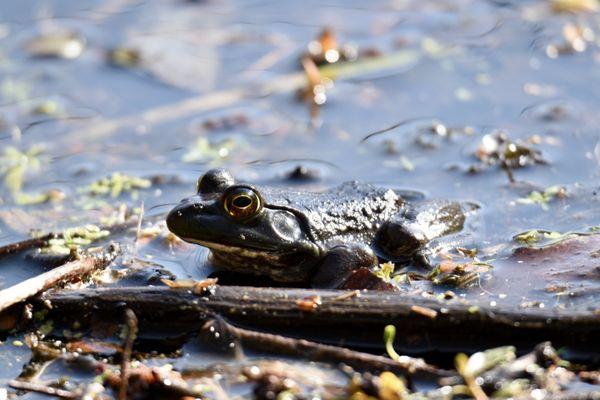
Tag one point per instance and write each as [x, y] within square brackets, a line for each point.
[313, 239]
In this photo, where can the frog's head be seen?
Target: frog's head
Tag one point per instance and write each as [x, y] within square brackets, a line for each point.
[244, 231]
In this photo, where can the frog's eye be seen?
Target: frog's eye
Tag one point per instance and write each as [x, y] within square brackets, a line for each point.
[242, 202]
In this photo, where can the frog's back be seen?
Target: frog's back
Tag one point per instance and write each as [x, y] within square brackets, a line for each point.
[349, 210]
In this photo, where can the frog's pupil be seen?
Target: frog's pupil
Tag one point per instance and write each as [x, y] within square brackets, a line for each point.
[242, 201]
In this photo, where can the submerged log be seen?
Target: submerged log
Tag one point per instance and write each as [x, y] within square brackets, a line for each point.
[353, 319]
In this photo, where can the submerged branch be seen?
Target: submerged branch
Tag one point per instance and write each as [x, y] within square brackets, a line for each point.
[324, 353]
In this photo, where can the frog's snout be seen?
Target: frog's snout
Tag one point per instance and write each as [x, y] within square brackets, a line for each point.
[174, 219]
[179, 218]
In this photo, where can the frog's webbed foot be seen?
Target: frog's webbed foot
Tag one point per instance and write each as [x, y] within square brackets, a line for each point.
[339, 263]
[404, 238]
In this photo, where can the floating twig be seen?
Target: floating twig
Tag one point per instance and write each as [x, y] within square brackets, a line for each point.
[27, 244]
[320, 352]
[70, 271]
[44, 389]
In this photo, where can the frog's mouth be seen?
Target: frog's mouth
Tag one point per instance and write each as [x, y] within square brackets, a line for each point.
[248, 251]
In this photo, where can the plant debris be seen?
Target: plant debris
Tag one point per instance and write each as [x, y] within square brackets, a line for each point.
[545, 197]
[117, 184]
[459, 275]
[206, 151]
[72, 239]
[16, 165]
[497, 149]
[326, 50]
[541, 237]
[124, 57]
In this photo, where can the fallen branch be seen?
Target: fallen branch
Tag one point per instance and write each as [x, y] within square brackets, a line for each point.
[354, 321]
[68, 272]
[44, 389]
[319, 352]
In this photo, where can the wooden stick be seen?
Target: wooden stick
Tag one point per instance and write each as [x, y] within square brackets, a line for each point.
[70, 271]
[26, 244]
[41, 388]
[319, 352]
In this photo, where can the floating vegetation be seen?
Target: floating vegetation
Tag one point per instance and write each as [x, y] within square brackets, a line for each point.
[471, 367]
[460, 275]
[15, 165]
[56, 45]
[47, 107]
[73, 239]
[497, 149]
[117, 184]
[385, 271]
[123, 57]
[25, 199]
[206, 151]
[326, 49]
[544, 238]
[545, 197]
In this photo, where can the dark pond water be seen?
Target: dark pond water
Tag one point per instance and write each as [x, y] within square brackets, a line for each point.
[469, 69]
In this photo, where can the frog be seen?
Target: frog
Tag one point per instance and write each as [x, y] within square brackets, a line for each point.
[314, 239]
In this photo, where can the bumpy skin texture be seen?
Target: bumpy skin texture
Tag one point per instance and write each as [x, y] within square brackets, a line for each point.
[300, 237]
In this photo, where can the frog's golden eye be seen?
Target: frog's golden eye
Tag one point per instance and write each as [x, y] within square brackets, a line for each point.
[242, 202]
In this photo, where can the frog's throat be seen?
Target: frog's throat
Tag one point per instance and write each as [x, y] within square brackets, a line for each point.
[250, 252]
[273, 263]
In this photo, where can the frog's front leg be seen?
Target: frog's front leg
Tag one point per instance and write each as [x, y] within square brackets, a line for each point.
[403, 238]
[340, 261]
